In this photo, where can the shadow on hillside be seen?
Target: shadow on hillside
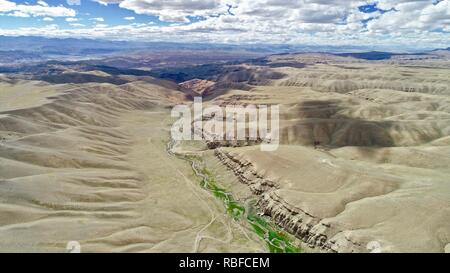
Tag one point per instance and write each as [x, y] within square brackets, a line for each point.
[322, 121]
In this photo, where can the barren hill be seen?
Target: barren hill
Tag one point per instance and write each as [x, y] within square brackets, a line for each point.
[380, 173]
[83, 157]
[88, 163]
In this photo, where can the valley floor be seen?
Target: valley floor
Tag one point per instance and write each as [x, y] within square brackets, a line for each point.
[112, 187]
[88, 161]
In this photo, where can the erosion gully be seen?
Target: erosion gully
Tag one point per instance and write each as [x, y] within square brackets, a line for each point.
[277, 240]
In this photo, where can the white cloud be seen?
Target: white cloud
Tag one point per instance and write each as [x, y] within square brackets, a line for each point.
[107, 2]
[18, 14]
[77, 25]
[48, 19]
[73, 2]
[40, 9]
[71, 19]
[412, 16]
[129, 18]
[98, 19]
[407, 22]
[42, 3]
[171, 10]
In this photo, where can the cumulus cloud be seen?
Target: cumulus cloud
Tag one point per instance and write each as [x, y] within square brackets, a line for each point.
[40, 9]
[171, 10]
[71, 19]
[48, 19]
[98, 19]
[107, 2]
[18, 14]
[77, 25]
[423, 23]
[42, 3]
[129, 18]
[73, 2]
[320, 15]
[411, 16]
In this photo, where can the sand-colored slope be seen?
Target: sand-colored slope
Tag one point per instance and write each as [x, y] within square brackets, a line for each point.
[380, 173]
[363, 117]
[88, 163]
[342, 205]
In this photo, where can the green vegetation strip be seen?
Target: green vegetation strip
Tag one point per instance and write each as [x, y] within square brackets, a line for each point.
[277, 240]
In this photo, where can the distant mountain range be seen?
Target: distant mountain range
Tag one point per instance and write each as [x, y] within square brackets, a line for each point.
[15, 52]
[72, 46]
[445, 49]
[376, 55]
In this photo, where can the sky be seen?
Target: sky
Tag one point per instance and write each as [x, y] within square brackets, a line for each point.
[388, 23]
